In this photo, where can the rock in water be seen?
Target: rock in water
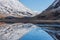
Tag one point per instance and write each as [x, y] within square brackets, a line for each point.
[14, 8]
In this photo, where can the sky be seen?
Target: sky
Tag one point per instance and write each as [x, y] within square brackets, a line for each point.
[37, 5]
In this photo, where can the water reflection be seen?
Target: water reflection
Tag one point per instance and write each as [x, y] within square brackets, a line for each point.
[43, 32]
[34, 32]
[37, 34]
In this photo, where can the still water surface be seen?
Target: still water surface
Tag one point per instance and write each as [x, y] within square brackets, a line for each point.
[37, 34]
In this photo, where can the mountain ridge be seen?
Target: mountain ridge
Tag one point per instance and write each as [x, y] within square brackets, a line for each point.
[14, 8]
[51, 13]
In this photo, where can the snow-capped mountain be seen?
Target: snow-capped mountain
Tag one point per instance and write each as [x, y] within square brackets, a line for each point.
[14, 8]
[52, 12]
[14, 31]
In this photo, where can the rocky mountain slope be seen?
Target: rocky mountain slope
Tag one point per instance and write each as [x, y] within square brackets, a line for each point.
[14, 8]
[51, 13]
[9, 9]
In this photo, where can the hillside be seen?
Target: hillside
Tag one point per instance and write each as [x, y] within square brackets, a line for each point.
[51, 13]
[14, 8]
